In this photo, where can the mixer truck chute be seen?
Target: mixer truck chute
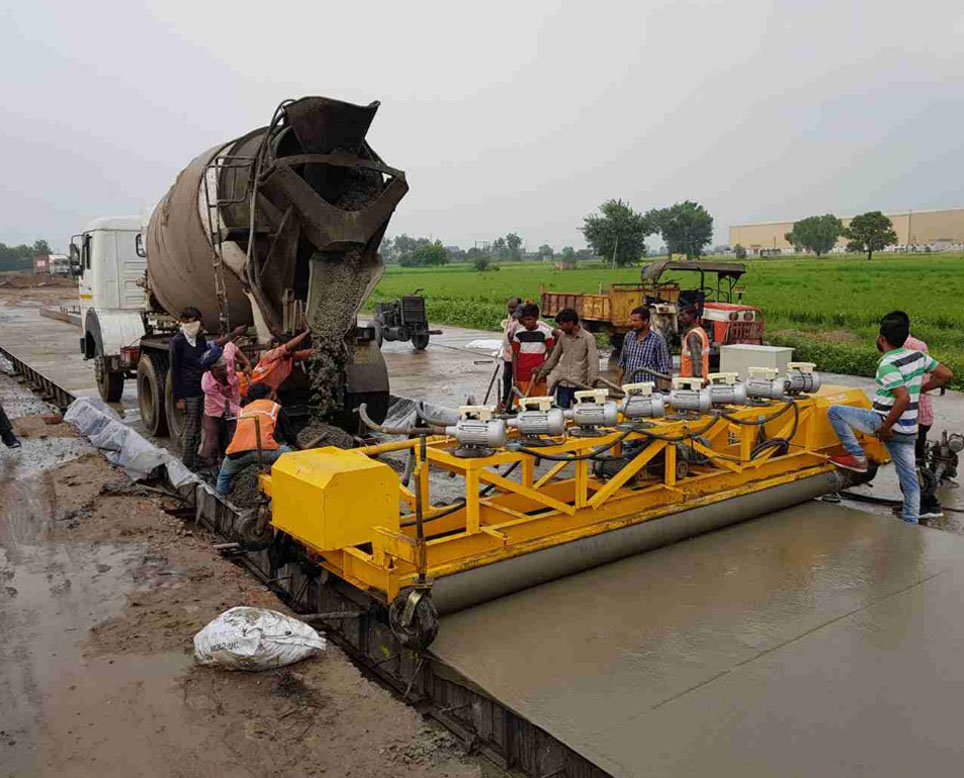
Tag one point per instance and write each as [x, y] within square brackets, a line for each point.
[278, 229]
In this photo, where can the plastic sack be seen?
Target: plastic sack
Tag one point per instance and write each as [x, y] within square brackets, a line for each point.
[255, 639]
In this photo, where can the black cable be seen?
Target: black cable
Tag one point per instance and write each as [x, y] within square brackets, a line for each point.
[575, 457]
[759, 422]
[870, 498]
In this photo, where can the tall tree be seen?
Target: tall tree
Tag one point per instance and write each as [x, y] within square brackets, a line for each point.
[41, 247]
[514, 244]
[617, 230]
[545, 251]
[686, 227]
[816, 233]
[870, 232]
[499, 248]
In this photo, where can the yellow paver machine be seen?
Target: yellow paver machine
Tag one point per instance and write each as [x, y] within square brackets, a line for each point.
[550, 492]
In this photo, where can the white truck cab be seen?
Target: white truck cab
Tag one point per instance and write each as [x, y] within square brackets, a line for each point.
[112, 298]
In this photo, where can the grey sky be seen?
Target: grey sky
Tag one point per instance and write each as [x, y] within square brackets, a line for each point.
[515, 116]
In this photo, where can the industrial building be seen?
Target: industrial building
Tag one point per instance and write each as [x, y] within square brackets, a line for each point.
[942, 229]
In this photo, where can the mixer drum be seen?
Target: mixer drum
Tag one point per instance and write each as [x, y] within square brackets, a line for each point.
[323, 202]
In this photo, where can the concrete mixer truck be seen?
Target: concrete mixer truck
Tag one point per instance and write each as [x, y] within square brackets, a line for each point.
[276, 230]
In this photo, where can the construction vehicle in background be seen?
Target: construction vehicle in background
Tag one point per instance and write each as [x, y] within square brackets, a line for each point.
[401, 320]
[723, 314]
[276, 230]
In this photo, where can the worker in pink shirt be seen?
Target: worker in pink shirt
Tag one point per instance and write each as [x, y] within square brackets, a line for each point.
[222, 403]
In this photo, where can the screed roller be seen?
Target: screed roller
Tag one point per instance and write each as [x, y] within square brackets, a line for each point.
[590, 501]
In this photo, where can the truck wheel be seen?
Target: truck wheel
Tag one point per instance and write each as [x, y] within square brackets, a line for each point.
[175, 418]
[110, 385]
[420, 339]
[151, 374]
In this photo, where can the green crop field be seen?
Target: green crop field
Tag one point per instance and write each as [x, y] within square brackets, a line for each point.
[825, 308]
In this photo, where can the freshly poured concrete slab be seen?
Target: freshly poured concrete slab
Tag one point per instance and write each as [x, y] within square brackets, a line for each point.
[817, 641]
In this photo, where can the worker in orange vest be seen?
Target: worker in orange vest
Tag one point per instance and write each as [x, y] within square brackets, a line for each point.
[694, 361]
[270, 434]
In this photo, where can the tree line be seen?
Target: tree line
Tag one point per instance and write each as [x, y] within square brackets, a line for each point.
[21, 257]
[866, 233]
[618, 233]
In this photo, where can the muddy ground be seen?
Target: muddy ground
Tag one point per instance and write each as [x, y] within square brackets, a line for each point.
[101, 592]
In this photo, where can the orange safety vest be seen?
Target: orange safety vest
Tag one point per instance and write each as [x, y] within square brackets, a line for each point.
[246, 435]
[686, 362]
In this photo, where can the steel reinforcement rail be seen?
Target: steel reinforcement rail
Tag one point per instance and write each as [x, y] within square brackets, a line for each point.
[481, 723]
[45, 387]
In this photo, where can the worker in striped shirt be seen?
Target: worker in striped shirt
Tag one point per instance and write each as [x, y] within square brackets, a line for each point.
[893, 418]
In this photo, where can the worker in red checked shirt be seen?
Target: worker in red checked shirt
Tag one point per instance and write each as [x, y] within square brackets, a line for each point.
[275, 366]
[531, 344]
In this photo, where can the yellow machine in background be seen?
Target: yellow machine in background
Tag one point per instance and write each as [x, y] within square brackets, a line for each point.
[553, 481]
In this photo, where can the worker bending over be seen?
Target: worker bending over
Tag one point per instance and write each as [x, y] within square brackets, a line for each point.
[276, 365]
[271, 428]
[644, 356]
[574, 358]
[531, 344]
[694, 361]
[893, 418]
[222, 402]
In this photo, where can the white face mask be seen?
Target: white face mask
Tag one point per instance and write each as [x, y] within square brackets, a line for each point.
[191, 330]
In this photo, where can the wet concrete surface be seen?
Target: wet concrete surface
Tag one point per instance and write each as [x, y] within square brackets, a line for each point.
[815, 641]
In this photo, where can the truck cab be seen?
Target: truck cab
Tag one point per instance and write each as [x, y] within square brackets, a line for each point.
[112, 266]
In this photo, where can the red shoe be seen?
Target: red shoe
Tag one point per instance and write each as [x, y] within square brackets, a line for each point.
[850, 462]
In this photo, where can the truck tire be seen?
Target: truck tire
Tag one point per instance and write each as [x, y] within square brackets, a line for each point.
[175, 418]
[151, 393]
[110, 385]
[420, 339]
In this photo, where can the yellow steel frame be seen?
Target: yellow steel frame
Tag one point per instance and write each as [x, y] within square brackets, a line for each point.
[567, 501]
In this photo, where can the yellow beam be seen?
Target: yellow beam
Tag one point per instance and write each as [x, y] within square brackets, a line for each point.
[511, 486]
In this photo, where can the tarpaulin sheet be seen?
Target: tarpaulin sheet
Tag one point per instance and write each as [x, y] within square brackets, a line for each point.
[816, 641]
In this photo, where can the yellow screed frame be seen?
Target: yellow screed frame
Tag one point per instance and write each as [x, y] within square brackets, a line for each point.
[353, 514]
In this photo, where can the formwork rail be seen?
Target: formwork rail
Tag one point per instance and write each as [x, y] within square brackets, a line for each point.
[46, 387]
[481, 723]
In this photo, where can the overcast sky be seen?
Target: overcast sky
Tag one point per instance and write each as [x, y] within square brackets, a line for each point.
[514, 116]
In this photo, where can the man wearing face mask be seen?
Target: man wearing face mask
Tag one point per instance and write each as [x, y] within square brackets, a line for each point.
[893, 418]
[191, 355]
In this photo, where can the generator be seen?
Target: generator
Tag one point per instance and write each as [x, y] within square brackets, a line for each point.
[403, 320]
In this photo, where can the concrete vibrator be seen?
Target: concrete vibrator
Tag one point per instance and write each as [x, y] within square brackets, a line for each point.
[551, 492]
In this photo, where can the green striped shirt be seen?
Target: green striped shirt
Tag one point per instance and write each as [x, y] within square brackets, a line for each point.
[902, 368]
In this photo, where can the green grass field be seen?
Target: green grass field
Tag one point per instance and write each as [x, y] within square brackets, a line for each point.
[825, 308]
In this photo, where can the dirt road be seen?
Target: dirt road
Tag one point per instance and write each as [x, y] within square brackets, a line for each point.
[101, 592]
